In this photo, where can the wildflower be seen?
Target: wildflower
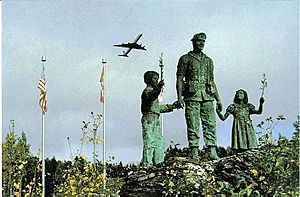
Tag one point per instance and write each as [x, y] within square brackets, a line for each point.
[85, 178]
[21, 167]
[17, 185]
[261, 178]
[254, 172]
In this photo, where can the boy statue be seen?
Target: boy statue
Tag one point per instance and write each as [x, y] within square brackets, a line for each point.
[153, 150]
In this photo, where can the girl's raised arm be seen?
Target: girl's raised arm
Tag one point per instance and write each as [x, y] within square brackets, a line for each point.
[260, 108]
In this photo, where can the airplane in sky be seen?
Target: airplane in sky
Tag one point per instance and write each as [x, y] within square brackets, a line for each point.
[130, 46]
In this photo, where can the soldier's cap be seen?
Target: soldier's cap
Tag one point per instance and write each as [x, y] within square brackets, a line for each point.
[199, 36]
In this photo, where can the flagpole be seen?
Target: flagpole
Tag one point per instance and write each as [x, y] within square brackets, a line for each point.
[43, 138]
[104, 141]
[43, 152]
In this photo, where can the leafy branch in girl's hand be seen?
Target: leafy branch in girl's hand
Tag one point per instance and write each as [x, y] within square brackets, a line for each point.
[264, 84]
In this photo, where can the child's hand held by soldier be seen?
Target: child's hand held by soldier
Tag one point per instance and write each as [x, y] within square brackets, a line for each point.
[177, 105]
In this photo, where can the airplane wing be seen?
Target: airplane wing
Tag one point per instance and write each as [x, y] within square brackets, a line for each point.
[137, 38]
[120, 45]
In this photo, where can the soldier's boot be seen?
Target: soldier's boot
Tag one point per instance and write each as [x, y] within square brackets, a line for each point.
[213, 153]
[195, 153]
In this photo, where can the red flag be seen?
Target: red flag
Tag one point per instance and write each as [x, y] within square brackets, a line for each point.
[101, 96]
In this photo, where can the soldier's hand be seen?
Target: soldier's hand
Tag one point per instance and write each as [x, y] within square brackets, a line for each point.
[219, 105]
[176, 105]
[161, 84]
[261, 100]
[181, 102]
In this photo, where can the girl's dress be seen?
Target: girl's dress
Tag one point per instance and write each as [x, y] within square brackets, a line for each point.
[243, 135]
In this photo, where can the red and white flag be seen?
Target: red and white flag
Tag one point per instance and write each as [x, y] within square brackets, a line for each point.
[101, 95]
[43, 92]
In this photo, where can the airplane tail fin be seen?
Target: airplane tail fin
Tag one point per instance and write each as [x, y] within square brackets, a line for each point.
[124, 54]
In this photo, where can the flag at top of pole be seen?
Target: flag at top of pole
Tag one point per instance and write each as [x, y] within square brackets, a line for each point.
[101, 96]
[102, 100]
[43, 89]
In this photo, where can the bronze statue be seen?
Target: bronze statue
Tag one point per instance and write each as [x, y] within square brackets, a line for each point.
[196, 90]
[243, 135]
[153, 151]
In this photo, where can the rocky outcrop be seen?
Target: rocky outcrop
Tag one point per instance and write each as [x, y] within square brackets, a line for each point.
[182, 176]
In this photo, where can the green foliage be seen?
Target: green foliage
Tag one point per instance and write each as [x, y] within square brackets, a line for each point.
[20, 169]
[90, 133]
[84, 180]
[273, 171]
[266, 130]
[278, 168]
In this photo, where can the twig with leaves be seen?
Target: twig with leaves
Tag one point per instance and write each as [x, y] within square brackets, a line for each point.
[266, 130]
[264, 84]
[68, 139]
[94, 139]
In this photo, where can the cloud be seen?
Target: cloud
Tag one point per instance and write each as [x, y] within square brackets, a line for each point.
[244, 40]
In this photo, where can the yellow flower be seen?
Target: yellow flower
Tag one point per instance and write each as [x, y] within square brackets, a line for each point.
[17, 185]
[85, 178]
[83, 157]
[21, 167]
[72, 182]
[261, 178]
[17, 194]
[254, 172]
[73, 188]
[86, 169]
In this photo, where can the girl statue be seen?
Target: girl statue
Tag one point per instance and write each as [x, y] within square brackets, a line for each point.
[243, 135]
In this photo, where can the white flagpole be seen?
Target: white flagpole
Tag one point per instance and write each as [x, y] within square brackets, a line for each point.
[43, 137]
[104, 141]
[43, 152]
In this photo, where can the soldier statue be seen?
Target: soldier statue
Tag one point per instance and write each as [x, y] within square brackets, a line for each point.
[196, 91]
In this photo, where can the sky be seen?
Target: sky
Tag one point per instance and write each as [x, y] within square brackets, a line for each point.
[244, 39]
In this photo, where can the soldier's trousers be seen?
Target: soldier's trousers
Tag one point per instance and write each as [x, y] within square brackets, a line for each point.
[204, 111]
[153, 151]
